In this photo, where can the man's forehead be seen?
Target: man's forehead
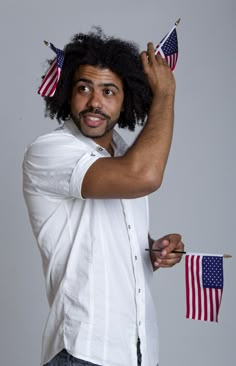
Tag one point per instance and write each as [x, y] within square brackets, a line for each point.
[96, 73]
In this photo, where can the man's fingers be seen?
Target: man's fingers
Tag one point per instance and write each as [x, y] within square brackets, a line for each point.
[148, 57]
[174, 240]
[166, 255]
[175, 237]
[171, 256]
[165, 265]
[144, 59]
[151, 53]
[171, 241]
[168, 244]
[168, 261]
[160, 59]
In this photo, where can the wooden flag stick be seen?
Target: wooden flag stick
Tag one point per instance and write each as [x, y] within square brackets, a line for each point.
[183, 252]
[159, 250]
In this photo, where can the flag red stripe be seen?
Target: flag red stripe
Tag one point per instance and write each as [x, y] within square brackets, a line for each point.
[187, 285]
[193, 288]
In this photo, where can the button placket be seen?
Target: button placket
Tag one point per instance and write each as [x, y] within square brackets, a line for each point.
[137, 267]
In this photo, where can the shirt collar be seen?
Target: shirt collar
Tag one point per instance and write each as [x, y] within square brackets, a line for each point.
[118, 143]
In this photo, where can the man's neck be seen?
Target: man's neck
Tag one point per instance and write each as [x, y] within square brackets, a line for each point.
[106, 142]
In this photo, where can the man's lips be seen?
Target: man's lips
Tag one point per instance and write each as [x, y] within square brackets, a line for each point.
[93, 120]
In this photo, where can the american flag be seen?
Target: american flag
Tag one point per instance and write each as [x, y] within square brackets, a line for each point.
[204, 286]
[50, 80]
[168, 48]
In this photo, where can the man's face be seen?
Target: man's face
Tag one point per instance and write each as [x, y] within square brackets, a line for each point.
[96, 101]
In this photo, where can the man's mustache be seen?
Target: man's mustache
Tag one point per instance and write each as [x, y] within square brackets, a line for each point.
[94, 111]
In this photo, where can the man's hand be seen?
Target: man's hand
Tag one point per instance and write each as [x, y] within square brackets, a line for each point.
[165, 257]
[159, 74]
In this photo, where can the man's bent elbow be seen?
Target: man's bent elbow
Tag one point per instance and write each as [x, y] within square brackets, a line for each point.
[146, 179]
[153, 182]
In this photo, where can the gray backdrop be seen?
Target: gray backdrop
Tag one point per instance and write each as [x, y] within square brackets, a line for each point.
[197, 197]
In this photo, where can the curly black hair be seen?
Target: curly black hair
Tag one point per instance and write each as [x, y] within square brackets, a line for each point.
[121, 57]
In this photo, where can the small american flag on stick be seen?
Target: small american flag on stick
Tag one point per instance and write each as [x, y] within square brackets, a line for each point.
[168, 47]
[204, 286]
[52, 76]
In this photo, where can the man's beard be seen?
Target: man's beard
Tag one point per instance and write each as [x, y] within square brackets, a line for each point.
[109, 123]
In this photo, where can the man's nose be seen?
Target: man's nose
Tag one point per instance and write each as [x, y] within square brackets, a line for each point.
[95, 100]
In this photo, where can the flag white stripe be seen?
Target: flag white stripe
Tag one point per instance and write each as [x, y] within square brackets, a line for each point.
[195, 287]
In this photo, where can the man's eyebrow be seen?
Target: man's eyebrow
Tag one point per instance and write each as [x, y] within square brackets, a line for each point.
[101, 84]
[84, 80]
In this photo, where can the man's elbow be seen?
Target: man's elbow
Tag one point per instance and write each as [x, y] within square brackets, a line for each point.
[148, 182]
[146, 179]
[153, 182]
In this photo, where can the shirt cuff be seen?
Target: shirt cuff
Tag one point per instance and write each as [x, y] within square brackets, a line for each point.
[79, 172]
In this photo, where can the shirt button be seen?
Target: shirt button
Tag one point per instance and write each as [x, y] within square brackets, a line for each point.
[129, 227]
[136, 257]
[99, 149]
[139, 323]
[139, 290]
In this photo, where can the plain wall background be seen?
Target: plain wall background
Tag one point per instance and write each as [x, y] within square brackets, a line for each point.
[197, 197]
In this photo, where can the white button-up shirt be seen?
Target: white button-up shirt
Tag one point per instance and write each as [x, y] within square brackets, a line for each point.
[97, 272]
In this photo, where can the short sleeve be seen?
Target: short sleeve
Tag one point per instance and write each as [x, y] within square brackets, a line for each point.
[79, 172]
[55, 165]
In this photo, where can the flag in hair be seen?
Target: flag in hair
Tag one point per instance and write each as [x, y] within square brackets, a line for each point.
[168, 48]
[204, 286]
[52, 76]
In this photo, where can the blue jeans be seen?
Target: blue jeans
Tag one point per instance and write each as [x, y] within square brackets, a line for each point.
[65, 359]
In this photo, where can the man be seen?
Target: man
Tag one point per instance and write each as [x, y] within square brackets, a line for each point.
[86, 195]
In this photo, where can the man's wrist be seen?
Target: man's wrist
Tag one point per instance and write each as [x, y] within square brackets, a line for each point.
[161, 104]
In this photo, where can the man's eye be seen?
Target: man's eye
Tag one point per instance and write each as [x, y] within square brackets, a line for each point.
[108, 92]
[83, 88]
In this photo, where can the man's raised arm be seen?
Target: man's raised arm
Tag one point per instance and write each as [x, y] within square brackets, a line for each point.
[140, 171]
